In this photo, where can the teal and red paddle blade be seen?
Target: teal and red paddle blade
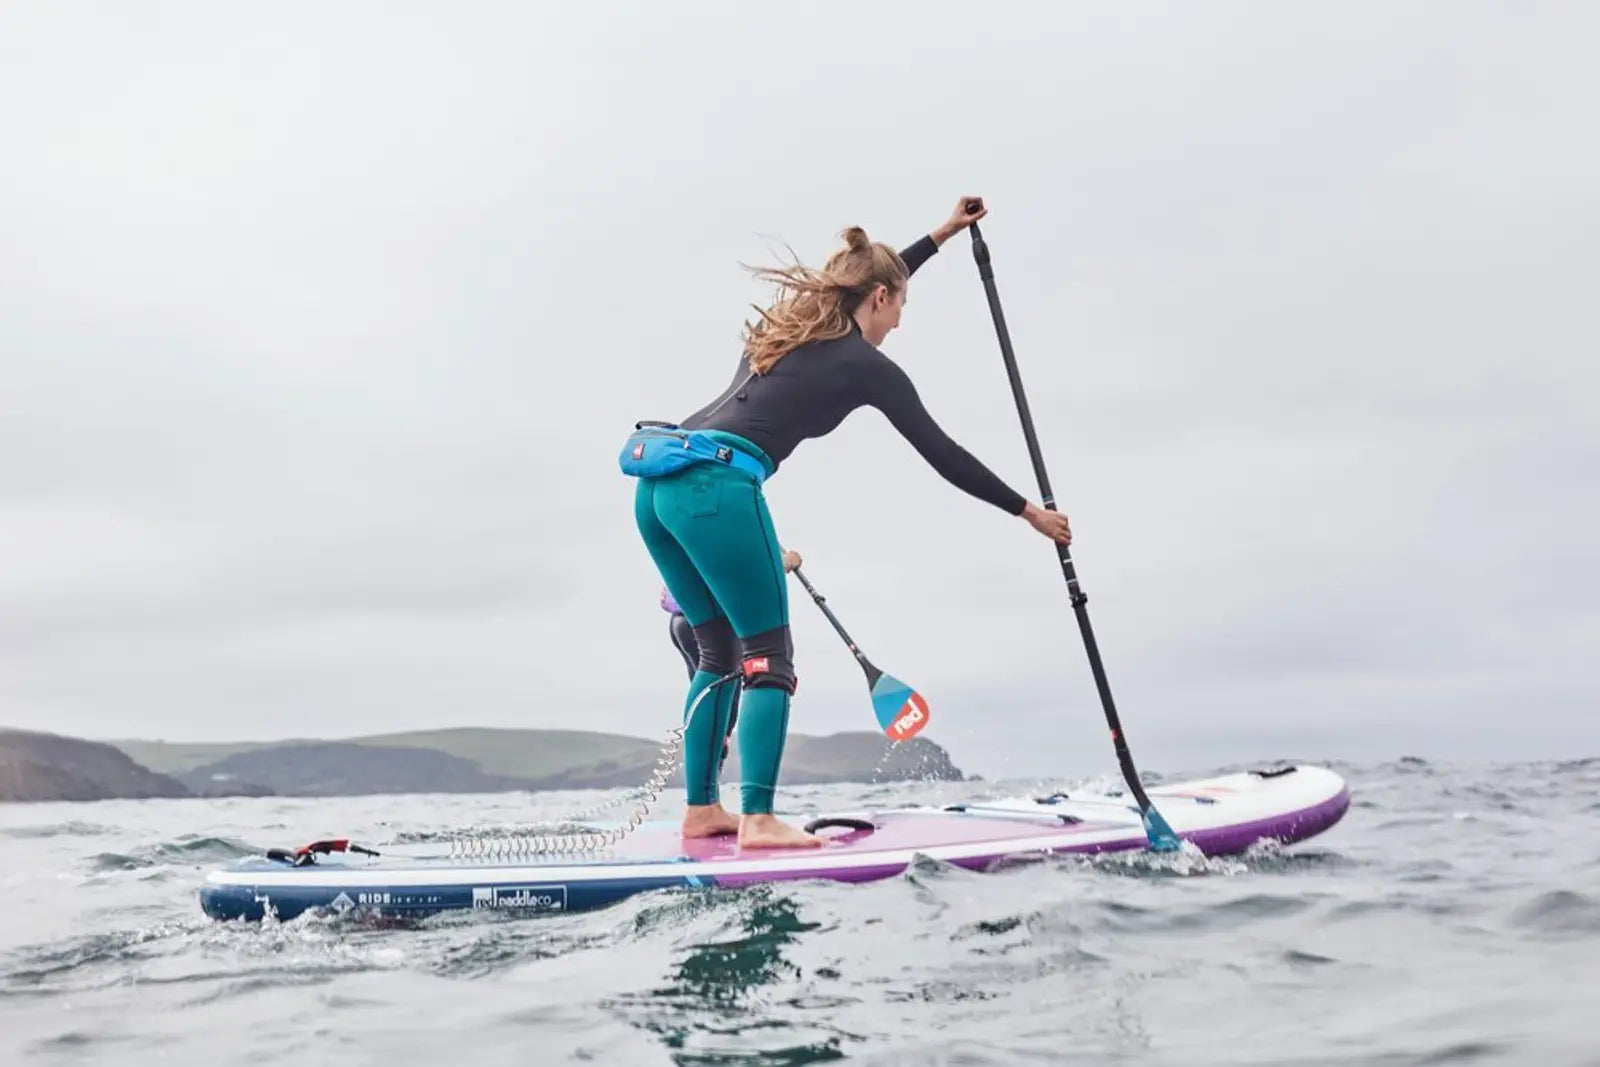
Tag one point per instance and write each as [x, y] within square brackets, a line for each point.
[902, 711]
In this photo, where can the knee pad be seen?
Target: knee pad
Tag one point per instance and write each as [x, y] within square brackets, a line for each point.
[719, 648]
[684, 641]
[768, 661]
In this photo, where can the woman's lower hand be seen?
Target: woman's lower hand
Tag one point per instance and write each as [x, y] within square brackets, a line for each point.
[1051, 523]
[791, 561]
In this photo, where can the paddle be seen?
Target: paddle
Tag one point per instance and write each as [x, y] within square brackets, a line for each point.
[1161, 837]
[902, 711]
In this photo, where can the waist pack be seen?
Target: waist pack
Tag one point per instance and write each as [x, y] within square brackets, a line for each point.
[655, 449]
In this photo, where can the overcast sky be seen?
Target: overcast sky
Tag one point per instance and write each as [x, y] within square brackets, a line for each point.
[320, 328]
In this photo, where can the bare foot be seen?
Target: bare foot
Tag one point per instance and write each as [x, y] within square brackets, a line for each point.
[708, 820]
[765, 831]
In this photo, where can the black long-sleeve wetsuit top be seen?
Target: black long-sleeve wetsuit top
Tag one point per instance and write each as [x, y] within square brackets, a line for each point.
[811, 389]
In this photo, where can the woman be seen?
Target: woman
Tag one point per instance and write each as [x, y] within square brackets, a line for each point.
[810, 361]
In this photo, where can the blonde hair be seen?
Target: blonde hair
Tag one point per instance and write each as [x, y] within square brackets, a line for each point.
[817, 305]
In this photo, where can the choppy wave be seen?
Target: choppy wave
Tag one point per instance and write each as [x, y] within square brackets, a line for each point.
[183, 851]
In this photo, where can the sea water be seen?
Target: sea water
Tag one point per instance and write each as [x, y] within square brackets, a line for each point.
[1452, 917]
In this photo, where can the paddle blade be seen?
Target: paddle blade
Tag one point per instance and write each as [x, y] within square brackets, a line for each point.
[902, 711]
[1162, 839]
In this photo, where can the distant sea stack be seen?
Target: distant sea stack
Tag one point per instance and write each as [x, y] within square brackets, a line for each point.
[43, 767]
[857, 756]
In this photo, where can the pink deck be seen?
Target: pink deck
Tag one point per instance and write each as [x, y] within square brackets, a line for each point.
[658, 841]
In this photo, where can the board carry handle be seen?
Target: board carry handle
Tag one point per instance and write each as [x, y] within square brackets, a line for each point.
[840, 821]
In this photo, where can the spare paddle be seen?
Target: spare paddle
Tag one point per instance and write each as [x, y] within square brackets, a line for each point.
[902, 711]
[1161, 837]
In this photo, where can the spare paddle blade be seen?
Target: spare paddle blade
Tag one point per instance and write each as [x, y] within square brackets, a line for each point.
[1162, 839]
[902, 711]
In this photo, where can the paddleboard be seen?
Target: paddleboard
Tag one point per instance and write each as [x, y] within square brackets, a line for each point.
[1220, 816]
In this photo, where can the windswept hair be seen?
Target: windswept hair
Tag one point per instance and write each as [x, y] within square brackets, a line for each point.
[817, 305]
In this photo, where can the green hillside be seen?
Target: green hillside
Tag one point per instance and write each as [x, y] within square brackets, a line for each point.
[165, 757]
[525, 753]
[476, 759]
[516, 753]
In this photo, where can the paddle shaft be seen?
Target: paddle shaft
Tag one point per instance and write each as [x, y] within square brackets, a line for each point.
[980, 252]
[873, 673]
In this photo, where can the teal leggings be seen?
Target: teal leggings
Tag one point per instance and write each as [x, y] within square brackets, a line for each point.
[708, 529]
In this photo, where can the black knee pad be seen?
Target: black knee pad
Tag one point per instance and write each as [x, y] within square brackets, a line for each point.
[769, 661]
[719, 648]
[684, 641]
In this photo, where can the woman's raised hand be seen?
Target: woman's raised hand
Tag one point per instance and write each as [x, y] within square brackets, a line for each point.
[969, 209]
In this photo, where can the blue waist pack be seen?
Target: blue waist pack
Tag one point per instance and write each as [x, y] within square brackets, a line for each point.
[655, 449]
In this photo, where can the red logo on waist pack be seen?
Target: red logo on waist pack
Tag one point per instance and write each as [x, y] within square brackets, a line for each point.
[757, 665]
[913, 716]
[638, 450]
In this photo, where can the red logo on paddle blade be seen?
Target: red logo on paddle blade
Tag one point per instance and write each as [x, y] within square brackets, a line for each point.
[910, 720]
